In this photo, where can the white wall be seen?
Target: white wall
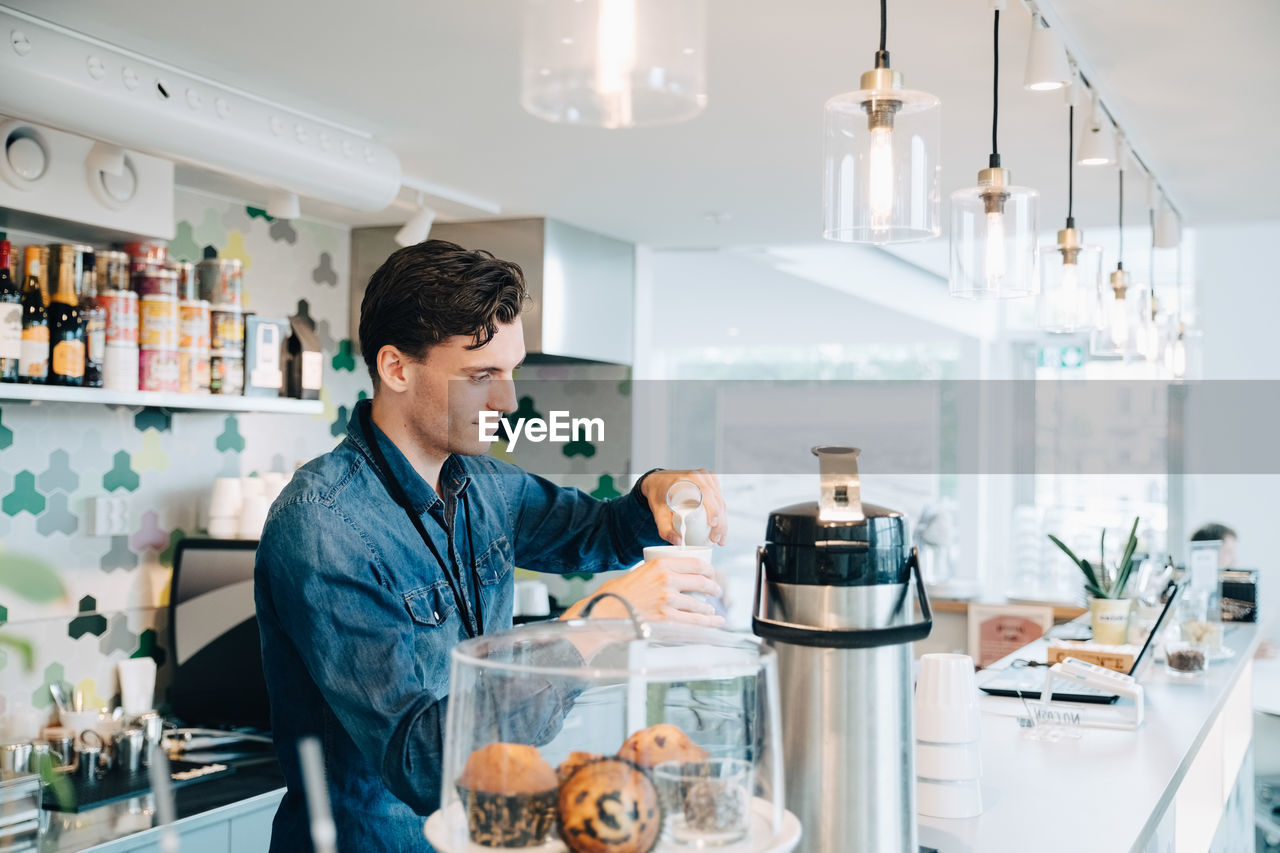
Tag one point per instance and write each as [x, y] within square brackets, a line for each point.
[1238, 306]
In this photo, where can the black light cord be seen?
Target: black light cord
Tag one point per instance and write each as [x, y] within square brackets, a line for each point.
[884, 23]
[1071, 164]
[994, 162]
[1120, 262]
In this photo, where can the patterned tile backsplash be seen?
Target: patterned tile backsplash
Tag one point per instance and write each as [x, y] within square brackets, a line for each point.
[55, 459]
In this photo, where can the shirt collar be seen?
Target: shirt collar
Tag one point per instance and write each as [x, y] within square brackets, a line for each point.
[453, 476]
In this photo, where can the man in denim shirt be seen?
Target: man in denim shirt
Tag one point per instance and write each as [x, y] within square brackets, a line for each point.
[382, 554]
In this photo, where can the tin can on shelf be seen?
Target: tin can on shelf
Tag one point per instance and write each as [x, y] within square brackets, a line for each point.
[120, 367]
[152, 279]
[158, 322]
[158, 368]
[113, 271]
[147, 251]
[226, 373]
[193, 324]
[193, 371]
[188, 285]
[221, 281]
[122, 315]
[227, 323]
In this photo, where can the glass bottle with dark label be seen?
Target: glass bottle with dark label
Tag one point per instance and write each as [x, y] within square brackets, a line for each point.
[33, 362]
[66, 328]
[95, 323]
[10, 318]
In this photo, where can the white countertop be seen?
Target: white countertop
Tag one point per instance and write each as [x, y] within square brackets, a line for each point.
[1110, 789]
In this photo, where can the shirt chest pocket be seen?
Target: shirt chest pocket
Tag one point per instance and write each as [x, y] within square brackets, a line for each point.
[431, 606]
[495, 564]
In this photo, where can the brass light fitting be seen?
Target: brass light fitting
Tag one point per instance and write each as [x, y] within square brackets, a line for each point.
[880, 111]
[1070, 241]
[993, 181]
[1120, 283]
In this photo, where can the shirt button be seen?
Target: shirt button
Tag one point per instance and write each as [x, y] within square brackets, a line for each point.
[436, 614]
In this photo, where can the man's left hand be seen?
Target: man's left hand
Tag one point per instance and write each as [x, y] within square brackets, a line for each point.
[654, 488]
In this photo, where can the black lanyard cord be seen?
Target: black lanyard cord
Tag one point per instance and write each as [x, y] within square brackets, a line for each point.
[473, 626]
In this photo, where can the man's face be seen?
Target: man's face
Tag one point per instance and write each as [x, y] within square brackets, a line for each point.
[451, 386]
[1227, 553]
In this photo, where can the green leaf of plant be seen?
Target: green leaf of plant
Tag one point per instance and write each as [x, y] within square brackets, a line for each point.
[1126, 562]
[30, 578]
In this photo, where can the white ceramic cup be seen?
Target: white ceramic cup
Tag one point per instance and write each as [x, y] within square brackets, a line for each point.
[946, 700]
[949, 762]
[225, 500]
[532, 599]
[253, 516]
[137, 684]
[949, 799]
[224, 528]
[252, 487]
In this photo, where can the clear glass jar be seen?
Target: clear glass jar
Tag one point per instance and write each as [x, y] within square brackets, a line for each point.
[542, 714]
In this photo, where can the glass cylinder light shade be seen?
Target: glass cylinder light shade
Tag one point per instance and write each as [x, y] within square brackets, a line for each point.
[881, 164]
[614, 63]
[547, 723]
[1070, 282]
[993, 241]
[1117, 333]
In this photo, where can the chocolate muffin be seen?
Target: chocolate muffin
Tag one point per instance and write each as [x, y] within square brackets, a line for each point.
[509, 793]
[573, 762]
[663, 742]
[609, 806]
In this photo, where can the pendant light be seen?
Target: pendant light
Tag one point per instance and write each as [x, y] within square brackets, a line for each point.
[1115, 337]
[993, 225]
[880, 159]
[614, 63]
[1070, 271]
[1175, 354]
[1168, 231]
[1098, 141]
[1149, 341]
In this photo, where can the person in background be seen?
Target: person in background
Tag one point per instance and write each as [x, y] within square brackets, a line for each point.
[383, 554]
[1219, 533]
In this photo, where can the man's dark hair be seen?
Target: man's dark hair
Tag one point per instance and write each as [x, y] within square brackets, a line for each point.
[1212, 533]
[432, 291]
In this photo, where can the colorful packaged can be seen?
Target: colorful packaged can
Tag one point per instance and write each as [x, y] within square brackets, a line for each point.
[188, 286]
[221, 281]
[193, 324]
[158, 322]
[226, 373]
[113, 271]
[193, 371]
[158, 368]
[122, 315]
[227, 324]
[152, 279]
[120, 367]
[147, 251]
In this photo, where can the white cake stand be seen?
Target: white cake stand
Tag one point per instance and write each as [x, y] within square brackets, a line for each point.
[760, 839]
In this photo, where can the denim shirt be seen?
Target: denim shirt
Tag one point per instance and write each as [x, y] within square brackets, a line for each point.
[357, 618]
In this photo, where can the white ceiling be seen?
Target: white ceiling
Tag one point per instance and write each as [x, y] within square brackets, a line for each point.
[438, 81]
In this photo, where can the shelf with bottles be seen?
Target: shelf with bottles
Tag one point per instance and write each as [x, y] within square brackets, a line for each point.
[159, 399]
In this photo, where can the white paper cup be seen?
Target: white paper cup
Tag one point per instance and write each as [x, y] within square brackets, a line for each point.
[253, 516]
[949, 799]
[224, 528]
[137, 684]
[949, 762]
[946, 700]
[225, 500]
[698, 552]
[532, 599]
[252, 487]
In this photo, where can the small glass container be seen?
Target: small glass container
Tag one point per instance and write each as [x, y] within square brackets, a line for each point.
[1185, 659]
[705, 803]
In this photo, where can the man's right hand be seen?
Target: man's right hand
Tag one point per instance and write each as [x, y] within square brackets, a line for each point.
[659, 591]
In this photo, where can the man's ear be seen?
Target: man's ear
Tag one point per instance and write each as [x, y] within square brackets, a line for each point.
[391, 368]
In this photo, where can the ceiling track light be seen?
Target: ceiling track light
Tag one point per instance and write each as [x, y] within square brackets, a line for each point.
[282, 204]
[416, 229]
[880, 158]
[1070, 271]
[993, 225]
[1047, 65]
[1097, 141]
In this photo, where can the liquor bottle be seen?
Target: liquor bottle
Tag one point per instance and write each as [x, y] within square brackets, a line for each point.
[33, 363]
[95, 324]
[66, 328]
[10, 318]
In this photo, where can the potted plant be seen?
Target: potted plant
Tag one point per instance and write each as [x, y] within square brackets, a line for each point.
[1108, 606]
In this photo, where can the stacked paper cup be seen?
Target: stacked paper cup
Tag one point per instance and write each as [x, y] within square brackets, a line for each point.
[948, 738]
[224, 508]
